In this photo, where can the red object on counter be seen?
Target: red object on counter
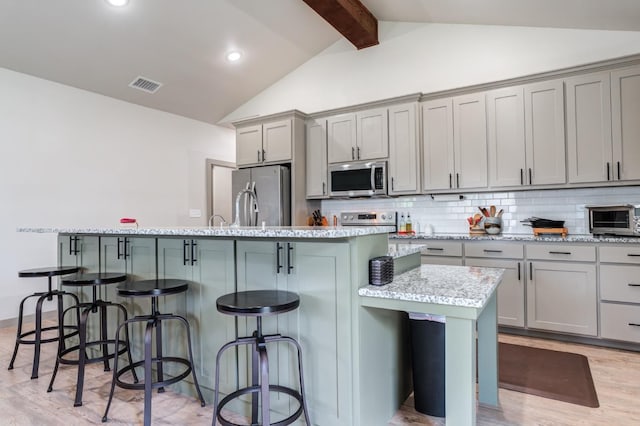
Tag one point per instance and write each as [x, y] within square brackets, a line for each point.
[127, 220]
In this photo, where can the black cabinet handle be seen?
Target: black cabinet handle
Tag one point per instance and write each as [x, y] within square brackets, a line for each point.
[519, 277]
[258, 155]
[119, 252]
[76, 250]
[392, 183]
[264, 155]
[127, 244]
[194, 246]
[531, 271]
[435, 248]
[633, 255]
[185, 258]
[559, 252]
[289, 262]
[71, 245]
[634, 324]
[358, 150]
[633, 285]
[450, 182]
[530, 177]
[353, 153]
[521, 176]
[492, 251]
[608, 171]
[619, 171]
[457, 180]
[278, 265]
[324, 188]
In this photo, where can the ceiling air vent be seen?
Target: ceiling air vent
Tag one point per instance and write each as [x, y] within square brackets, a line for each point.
[146, 85]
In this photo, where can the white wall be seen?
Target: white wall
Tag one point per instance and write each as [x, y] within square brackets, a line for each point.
[69, 157]
[426, 58]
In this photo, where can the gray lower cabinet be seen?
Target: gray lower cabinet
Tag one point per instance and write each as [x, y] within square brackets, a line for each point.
[561, 296]
[511, 291]
[209, 266]
[319, 273]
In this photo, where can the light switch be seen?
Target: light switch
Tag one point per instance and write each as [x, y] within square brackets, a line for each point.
[195, 213]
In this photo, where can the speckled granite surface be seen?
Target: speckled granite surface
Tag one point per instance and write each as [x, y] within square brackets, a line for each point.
[251, 232]
[464, 286]
[401, 250]
[588, 238]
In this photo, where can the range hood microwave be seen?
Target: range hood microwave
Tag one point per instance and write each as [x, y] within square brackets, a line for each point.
[358, 179]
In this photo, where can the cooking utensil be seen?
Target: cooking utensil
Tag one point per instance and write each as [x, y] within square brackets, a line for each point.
[492, 211]
[537, 222]
[500, 212]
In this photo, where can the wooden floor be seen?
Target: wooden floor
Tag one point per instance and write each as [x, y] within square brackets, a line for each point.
[25, 402]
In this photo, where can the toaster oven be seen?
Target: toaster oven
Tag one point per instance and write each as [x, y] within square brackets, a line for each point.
[617, 219]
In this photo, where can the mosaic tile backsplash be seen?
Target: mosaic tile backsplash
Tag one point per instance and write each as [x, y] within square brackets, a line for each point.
[434, 216]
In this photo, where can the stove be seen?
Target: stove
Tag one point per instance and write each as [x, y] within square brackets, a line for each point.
[385, 218]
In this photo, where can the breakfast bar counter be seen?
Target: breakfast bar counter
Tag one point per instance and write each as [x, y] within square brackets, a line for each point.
[466, 296]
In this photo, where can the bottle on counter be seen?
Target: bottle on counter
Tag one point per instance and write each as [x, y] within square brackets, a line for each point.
[407, 226]
[402, 225]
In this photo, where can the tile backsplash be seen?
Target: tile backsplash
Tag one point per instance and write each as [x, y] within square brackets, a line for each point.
[429, 215]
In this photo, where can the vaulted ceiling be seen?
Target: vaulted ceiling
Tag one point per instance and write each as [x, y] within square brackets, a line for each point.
[91, 45]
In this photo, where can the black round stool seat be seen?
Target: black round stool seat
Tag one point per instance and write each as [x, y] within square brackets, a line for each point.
[36, 336]
[51, 271]
[150, 288]
[94, 278]
[258, 302]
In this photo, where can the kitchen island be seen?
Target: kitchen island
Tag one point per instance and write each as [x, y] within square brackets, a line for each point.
[356, 358]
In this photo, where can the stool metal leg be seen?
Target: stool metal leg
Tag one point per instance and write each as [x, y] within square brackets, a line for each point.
[82, 356]
[19, 332]
[103, 334]
[38, 336]
[264, 383]
[148, 381]
[193, 365]
[159, 370]
[115, 369]
[57, 365]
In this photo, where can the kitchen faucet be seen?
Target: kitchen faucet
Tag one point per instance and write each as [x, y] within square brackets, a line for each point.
[252, 194]
[213, 216]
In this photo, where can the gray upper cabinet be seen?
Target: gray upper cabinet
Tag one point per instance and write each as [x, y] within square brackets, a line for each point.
[266, 143]
[358, 136]
[437, 144]
[589, 128]
[526, 135]
[625, 112]
[316, 176]
[404, 158]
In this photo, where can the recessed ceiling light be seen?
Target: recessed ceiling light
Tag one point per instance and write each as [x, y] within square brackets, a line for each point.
[118, 2]
[233, 56]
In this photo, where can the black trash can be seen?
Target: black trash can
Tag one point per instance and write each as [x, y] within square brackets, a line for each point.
[427, 352]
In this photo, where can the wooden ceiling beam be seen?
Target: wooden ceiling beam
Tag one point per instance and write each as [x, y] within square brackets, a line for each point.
[351, 18]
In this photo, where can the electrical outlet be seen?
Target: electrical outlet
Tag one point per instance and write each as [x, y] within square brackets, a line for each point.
[195, 213]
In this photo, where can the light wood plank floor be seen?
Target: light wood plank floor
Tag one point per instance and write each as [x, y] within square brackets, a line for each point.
[25, 402]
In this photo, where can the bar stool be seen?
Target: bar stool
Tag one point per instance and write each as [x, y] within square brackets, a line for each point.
[153, 289]
[25, 337]
[94, 280]
[259, 303]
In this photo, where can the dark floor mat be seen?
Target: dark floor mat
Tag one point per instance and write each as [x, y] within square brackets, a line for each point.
[563, 376]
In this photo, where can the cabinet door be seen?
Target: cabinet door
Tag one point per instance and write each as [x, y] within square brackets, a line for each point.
[317, 159]
[561, 296]
[625, 101]
[372, 135]
[341, 138]
[544, 133]
[505, 126]
[470, 141]
[404, 158]
[589, 128]
[249, 145]
[321, 277]
[437, 144]
[510, 291]
[276, 141]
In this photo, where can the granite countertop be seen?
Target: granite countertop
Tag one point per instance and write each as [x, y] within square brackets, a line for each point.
[252, 232]
[464, 286]
[576, 238]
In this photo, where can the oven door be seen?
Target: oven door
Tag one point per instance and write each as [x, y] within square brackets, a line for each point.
[614, 221]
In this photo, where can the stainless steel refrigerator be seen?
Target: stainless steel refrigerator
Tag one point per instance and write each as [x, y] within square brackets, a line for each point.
[272, 187]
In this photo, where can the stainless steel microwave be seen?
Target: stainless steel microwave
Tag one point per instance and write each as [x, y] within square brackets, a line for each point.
[618, 219]
[358, 179]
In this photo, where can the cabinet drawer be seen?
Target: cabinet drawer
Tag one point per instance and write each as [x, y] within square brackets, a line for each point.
[620, 283]
[441, 260]
[494, 250]
[620, 254]
[561, 252]
[617, 322]
[441, 248]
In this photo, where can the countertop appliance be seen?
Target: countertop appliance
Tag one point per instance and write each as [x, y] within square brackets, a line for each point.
[369, 219]
[271, 187]
[616, 219]
[358, 179]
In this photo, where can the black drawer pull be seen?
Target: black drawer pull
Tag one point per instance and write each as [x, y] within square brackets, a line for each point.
[289, 261]
[185, 258]
[492, 251]
[278, 265]
[519, 278]
[634, 324]
[559, 252]
[435, 248]
[633, 255]
[633, 285]
[194, 245]
[531, 271]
